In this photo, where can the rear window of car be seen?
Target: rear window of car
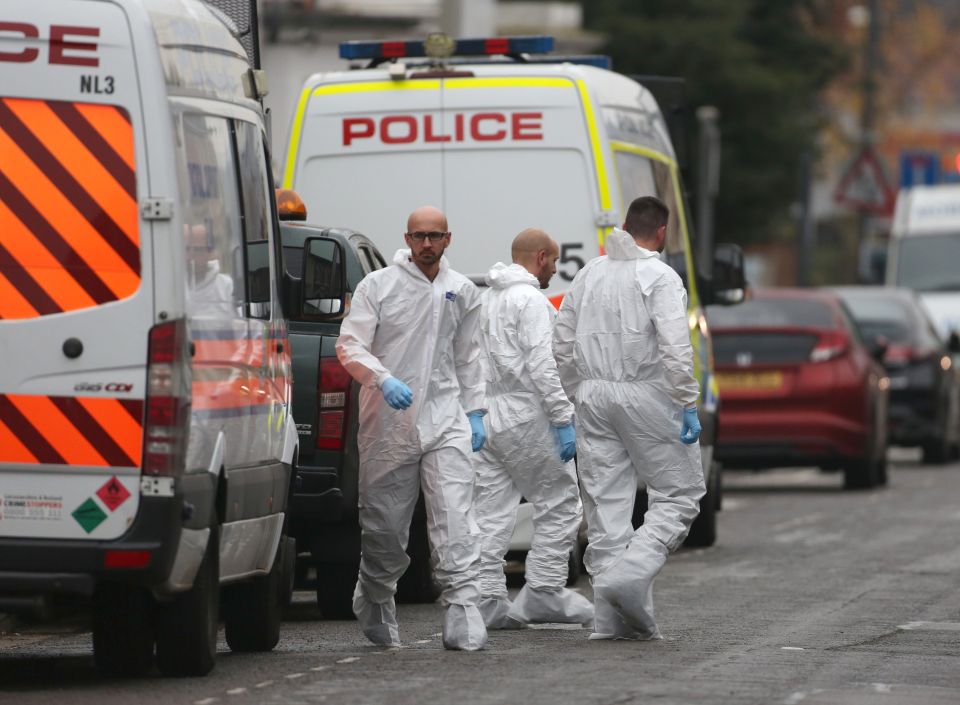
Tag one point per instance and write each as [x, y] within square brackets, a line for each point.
[762, 313]
[886, 316]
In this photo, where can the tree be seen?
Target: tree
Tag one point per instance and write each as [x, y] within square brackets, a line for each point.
[763, 63]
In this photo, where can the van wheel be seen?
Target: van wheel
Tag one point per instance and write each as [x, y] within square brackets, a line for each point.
[703, 531]
[187, 625]
[935, 451]
[335, 585]
[123, 629]
[860, 474]
[252, 609]
[417, 584]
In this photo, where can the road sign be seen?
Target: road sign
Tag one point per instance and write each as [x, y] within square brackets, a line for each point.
[864, 185]
[919, 168]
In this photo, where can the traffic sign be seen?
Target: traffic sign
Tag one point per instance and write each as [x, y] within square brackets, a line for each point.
[864, 185]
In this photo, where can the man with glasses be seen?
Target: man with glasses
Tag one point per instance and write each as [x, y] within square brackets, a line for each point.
[410, 340]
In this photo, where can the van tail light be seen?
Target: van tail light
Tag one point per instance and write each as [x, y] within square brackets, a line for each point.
[168, 400]
[333, 400]
[831, 344]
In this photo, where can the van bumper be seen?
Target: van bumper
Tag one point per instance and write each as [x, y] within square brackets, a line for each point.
[31, 567]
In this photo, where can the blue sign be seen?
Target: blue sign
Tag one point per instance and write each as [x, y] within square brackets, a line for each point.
[919, 169]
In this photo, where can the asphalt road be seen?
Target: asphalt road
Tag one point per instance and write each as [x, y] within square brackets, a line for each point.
[812, 595]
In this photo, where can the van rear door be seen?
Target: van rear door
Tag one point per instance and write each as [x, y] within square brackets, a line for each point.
[75, 284]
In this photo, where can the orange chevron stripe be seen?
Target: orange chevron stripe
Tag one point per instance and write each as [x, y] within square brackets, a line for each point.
[115, 130]
[110, 414]
[77, 159]
[57, 429]
[11, 449]
[12, 304]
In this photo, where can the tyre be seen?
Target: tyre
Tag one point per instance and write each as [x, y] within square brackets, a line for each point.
[124, 629]
[187, 625]
[860, 474]
[936, 451]
[703, 532]
[417, 584]
[574, 567]
[335, 585]
[252, 610]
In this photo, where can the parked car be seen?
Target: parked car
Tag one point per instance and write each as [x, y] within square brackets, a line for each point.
[326, 264]
[924, 387]
[799, 386]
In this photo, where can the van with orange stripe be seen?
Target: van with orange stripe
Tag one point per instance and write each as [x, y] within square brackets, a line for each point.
[146, 443]
[501, 136]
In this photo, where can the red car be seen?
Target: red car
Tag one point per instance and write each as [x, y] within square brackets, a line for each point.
[798, 386]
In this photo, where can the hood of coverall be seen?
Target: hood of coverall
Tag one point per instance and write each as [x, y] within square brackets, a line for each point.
[503, 275]
[404, 258]
[621, 245]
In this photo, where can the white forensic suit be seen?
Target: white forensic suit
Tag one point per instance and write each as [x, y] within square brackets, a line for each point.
[622, 345]
[423, 333]
[525, 400]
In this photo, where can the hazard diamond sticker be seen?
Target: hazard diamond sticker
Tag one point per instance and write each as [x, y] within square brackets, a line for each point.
[89, 515]
[113, 494]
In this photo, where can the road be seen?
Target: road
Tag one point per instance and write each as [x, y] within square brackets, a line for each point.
[812, 596]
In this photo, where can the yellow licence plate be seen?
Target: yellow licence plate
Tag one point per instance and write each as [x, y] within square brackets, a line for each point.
[749, 380]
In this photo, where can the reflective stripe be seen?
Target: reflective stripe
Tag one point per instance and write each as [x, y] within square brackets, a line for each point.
[295, 130]
[599, 161]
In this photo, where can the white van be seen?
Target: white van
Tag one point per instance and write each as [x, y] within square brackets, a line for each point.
[924, 252]
[145, 440]
[499, 144]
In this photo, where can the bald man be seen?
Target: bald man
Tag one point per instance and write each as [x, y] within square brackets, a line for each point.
[532, 440]
[410, 340]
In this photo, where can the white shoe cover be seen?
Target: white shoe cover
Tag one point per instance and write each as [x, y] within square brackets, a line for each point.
[607, 624]
[560, 606]
[463, 628]
[628, 586]
[494, 611]
[377, 620]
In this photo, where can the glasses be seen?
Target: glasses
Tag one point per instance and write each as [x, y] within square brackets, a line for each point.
[432, 236]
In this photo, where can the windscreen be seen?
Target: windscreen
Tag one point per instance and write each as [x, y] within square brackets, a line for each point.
[773, 313]
[929, 262]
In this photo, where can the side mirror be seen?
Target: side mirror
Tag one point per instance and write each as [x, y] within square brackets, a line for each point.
[953, 342]
[323, 293]
[729, 281]
[877, 347]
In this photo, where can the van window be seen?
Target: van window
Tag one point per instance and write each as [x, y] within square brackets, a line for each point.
[212, 232]
[641, 176]
[69, 226]
[929, 262]
[256, 216]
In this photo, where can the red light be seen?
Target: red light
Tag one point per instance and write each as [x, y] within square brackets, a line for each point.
[126, 560]
[392, 50]
[956, 161]
[330, 430]
[497, 45]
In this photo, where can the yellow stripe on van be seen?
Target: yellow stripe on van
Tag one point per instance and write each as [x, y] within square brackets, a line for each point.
[508, 83]
[295, 138]
[603, 182]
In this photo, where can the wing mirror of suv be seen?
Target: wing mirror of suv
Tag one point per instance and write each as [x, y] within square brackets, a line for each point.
[323, 288]
[953, 342]
[877, 347]
[729, 282]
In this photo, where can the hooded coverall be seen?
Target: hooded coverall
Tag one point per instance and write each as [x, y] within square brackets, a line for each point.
[526, 400]
[423, 333]
[622, 345]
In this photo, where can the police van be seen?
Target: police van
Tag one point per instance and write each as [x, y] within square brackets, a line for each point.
[506, 140]
[146, 443]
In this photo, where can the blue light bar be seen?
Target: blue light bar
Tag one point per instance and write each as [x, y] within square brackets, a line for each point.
[487, 46]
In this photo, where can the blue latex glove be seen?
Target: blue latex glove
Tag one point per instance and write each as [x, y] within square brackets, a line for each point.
[479, 433]
[566, 441]
[690, 432]
[396, 393]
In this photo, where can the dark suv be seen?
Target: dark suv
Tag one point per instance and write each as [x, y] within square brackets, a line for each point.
[325, 266]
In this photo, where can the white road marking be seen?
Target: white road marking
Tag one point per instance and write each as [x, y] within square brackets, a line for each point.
[437, 634]
[291, 676]
[881, 688]
[349, 659]
[264, 684]
[422, 641]
[320, 668]
[792, 648]
[795, 698]
[205, 701]
[931, 626]
[236, 691]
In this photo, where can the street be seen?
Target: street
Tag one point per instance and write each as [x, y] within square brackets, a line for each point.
[811, 595]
